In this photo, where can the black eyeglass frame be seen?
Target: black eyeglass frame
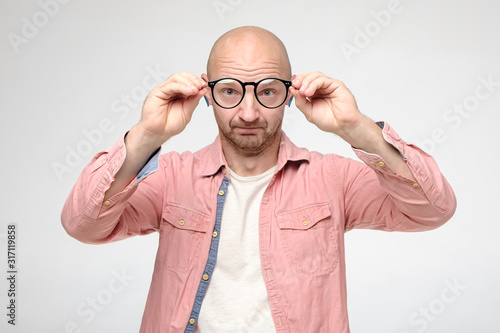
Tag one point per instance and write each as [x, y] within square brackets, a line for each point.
[212, 84]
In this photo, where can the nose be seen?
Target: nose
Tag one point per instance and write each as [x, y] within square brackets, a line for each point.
[249, 107]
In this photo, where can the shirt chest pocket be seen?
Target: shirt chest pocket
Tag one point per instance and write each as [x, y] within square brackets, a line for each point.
[182, 232]
[310, 239]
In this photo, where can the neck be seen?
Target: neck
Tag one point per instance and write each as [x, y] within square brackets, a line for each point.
[251, 163]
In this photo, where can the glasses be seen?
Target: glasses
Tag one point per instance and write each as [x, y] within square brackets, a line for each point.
[270, 92]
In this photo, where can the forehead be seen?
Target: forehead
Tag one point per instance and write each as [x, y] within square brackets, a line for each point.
[249, 58]
[247, 70]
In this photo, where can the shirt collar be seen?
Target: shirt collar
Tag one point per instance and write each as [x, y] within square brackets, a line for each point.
[213, 160]
[290, 152]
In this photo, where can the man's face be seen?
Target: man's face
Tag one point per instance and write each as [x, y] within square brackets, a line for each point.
[249, 127]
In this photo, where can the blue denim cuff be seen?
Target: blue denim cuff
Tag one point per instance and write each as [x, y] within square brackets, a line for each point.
[150, 167]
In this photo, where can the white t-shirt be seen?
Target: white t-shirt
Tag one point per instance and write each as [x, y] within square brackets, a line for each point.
[236, 299]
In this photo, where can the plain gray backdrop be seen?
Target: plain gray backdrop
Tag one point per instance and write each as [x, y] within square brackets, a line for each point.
[73, 78]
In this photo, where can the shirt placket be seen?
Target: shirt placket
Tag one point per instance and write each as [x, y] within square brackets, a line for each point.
[212, 257]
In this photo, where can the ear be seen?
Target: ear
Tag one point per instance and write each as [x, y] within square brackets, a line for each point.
[208, 96]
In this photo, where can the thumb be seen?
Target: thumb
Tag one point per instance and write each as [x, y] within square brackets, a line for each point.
[301, 103]
[192, 102]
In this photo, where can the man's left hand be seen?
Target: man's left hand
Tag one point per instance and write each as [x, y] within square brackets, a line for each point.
[326, 102]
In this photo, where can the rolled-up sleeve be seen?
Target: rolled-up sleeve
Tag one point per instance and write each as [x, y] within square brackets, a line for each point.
[89, 218]
[379, 198]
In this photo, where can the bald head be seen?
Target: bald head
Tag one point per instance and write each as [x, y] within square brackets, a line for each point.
[245, 45]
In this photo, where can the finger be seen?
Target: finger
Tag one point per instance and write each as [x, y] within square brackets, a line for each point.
[175, 90]
[191, 79]
[183, 77]
[304, 81]
[317, 85]
[297, 81]
[178, 83]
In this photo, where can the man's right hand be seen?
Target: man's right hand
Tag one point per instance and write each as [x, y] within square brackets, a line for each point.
[166, 112]
[169, 107]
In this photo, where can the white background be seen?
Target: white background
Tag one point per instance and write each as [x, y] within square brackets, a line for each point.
[67, 68]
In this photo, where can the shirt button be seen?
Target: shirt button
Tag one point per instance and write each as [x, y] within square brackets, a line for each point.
[372, 164]
[107, 203]
[224, 171]
[221, 192]
[192, 321]
[305, 223]
[182, 222]
[205, 277]
[382, 164]
[214, 234]
[415, 185]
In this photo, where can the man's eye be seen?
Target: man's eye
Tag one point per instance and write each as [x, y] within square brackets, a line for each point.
[228, 92]
[267, 92]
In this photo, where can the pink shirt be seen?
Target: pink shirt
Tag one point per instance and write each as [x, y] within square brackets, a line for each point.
[311, 201]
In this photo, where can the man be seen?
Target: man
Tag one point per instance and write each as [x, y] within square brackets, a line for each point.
[251, 227]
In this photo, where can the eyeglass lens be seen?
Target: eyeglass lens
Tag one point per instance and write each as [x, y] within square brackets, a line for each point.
[269, 92]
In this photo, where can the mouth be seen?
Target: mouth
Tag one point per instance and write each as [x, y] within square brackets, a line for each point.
[247, 130]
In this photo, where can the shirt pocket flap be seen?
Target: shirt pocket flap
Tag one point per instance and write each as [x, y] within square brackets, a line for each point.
[185, 218]
[305, 217]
